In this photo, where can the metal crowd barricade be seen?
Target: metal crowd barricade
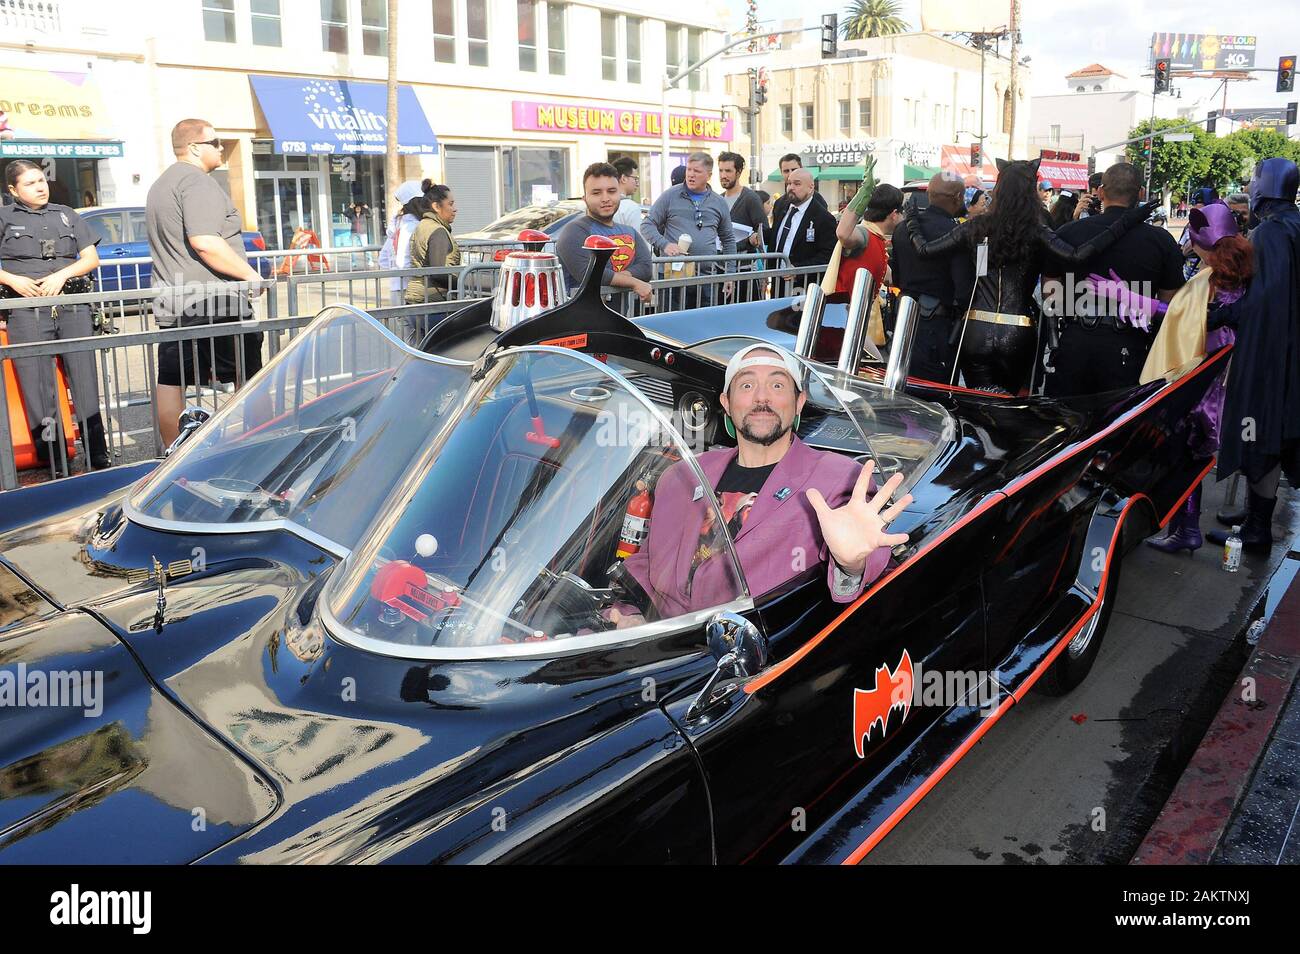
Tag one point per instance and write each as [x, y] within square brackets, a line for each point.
[127, 373]
[134, 273]
[368, 289]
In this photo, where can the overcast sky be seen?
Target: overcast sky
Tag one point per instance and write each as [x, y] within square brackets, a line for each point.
[1063, 35]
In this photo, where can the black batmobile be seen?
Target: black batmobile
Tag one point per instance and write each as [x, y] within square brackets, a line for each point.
[359, 614]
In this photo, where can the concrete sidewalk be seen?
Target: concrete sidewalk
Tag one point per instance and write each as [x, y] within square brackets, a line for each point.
[1238, 800]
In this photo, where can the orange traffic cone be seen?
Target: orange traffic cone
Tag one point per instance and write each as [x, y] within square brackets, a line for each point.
[23, 448]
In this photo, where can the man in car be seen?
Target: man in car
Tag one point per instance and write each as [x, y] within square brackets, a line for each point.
[785, 506]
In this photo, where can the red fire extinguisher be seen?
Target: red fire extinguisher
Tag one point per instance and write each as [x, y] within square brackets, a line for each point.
[636, 522]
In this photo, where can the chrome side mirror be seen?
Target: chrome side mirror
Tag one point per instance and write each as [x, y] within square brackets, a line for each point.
[741, 651]
[189, 421]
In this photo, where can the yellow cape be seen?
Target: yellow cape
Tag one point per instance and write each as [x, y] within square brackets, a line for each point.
[1180, 343]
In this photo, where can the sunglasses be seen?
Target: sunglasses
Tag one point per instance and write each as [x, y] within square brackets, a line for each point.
[214, 143]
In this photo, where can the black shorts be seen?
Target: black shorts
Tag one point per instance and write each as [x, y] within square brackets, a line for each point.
[176, 359]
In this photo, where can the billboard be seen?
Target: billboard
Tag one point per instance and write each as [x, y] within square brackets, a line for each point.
[1262, 117]
[1203, 51]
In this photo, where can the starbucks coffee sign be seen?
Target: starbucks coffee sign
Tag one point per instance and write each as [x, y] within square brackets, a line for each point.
[838, 152]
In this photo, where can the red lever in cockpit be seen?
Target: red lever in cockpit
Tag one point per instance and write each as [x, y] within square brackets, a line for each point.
[538, 434]
[400, 584]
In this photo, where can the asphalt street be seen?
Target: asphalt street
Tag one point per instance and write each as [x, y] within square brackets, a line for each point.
[1080, 778]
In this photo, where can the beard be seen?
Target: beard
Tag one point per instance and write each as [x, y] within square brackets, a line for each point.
[778, 430]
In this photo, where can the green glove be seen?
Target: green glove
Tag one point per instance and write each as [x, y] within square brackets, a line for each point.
[858, 205]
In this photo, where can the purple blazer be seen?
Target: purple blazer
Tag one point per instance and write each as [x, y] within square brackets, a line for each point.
[781, 538]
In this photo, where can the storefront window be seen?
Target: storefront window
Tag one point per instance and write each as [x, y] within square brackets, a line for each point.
[266, 22]
[219, 21]
[555, 37]
[316, 193]
[476, 16]
[523, 169]
[374, 27]
[444, 31]
[609, 46]
[634, 49]
[73, 182]
[527, 35]
[334, 25]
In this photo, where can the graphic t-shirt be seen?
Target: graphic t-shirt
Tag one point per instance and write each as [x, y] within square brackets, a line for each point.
[737, 490]
[633, 254]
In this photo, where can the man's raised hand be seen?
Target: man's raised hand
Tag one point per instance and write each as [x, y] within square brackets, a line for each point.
[854, 530]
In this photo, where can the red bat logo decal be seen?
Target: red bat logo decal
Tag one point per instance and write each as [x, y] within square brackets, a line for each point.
[892, 690]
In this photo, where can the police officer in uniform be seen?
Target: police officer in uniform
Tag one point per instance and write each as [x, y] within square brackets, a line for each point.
[941, 285]
[46, 250]
[1099, 351]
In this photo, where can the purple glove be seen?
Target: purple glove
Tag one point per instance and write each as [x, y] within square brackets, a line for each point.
[1136, 309]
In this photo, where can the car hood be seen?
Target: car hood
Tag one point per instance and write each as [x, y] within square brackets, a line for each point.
[95, 760]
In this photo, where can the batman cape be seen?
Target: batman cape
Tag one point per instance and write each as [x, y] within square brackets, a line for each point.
[1261, 411]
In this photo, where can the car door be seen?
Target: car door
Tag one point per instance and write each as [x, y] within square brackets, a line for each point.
[800, 740]
[141, 274]
[109, 227]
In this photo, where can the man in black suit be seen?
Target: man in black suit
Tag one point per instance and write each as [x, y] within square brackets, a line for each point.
[806, 233]
[790, 163]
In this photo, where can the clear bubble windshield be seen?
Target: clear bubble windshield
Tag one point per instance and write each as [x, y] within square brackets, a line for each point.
[902, 434]
[511, 537]
[317, 441]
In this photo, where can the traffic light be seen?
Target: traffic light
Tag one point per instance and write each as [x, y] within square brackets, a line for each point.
[1146, 151]
[1290, 114]
[830, 35]
[1092, 164]
[1210, 120]
[1162, 76]
[976, 156]
[1286, 74]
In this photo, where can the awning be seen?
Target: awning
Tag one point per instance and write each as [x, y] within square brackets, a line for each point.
[1064, 175]
[827, 174]
[957, 159]
[918, 172]
[307, 115]
[44, 113]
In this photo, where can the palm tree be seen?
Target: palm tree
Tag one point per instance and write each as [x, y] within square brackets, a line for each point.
[867, 18]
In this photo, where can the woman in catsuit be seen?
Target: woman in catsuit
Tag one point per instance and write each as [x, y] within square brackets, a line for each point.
[997, 349]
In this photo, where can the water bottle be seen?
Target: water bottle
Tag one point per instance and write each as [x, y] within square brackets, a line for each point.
[1232, 551]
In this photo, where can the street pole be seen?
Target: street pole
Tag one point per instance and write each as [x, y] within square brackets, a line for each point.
[1151, 163]
[1014, 79]
[672, 79]
[753, 127]
[392, 162]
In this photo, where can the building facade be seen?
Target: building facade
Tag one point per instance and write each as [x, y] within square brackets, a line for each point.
[1098, 108]
[295, 90]
[913, 101]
